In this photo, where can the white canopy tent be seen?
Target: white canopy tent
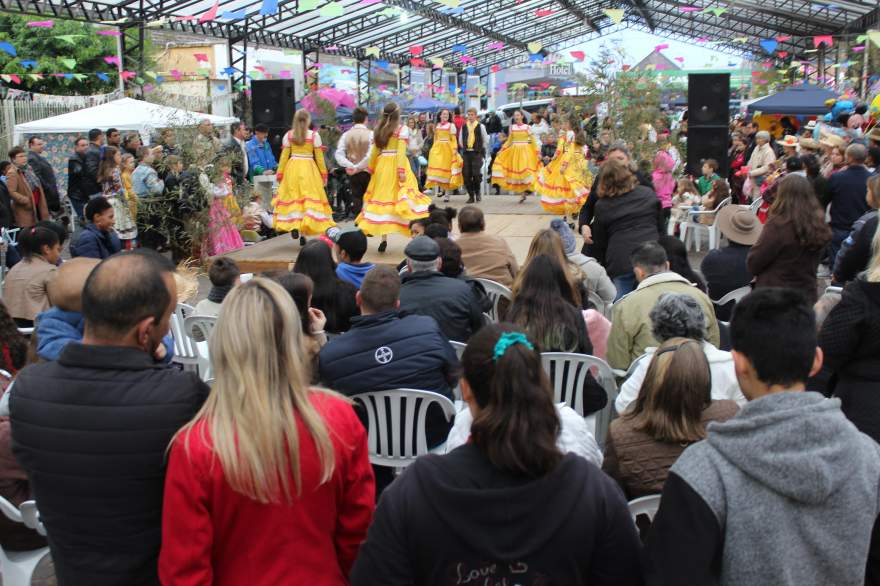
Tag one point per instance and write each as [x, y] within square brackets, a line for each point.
[125, 114]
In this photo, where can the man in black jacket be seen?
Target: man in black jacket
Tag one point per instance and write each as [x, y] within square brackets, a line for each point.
[473, 139]
[845, 192]
[77, 183]
[427, 291]
[44, 171]
[92, 428]
[91, 164]
[234, 147]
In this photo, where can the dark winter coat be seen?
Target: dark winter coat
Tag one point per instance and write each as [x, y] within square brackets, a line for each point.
[621, 224]
[449, 301]
[46, 174]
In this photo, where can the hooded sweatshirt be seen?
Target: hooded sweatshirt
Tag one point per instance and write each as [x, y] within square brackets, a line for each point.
[455, 519]
[354, 273]
[785, 493]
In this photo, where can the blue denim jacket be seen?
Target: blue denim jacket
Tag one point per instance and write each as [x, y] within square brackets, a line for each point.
[145, 182]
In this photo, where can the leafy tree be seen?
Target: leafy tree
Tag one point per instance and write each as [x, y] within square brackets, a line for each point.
[52, 49]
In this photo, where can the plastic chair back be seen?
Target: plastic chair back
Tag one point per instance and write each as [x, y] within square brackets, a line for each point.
[646, 505]
[756, 205]
[496, 292]
[199, 328]
[568, 373]
[184, 349]
[17, 567]
[734, 295]
[600, 304]
[396, 424]
[459, 350]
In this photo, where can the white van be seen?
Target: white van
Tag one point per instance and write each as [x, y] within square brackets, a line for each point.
[528, 107]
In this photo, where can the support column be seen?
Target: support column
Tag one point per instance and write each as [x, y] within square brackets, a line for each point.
[131, 42]
[238, 79]
[405, 77]
[820, 74]
[363, 81]
[436, 81]
[461, 86]
[310, 60]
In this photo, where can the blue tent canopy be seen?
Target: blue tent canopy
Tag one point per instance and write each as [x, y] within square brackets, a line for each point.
[798, 100]
[425, 104]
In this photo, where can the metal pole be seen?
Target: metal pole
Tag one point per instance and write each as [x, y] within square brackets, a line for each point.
[867, 53]
[119, 69]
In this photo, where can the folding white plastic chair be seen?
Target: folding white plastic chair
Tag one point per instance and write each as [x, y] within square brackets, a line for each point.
[17, 567]
[199, 328]
[568, 373]
[756, 205]
[459, 350]
[833, 290]
[396, 424]
[646, 505]
[692, 229]
[734, 295]
[496, 292]
[184, 349]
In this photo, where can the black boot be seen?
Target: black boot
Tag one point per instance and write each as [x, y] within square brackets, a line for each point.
[302, 240]
[294, 234]
[479, 197]
[470, 197]
[383, 245]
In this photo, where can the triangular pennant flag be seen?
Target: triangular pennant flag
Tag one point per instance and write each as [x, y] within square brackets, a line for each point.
[111, 60]
[769, 45]
[103, 76]
[782, 54]
[660, 47]
[201, 57]
[14, 78]
[157, 23]
[269, 7]
[69, 63]
[416, 50]
[28, 64]
[332, 10]
[459, 48]
[128, 75]
[717, 11]
[858, 49]
[534, 47]
[495, 68]
[874, 37]
[739, 39]
[436, 62]
[372, 52]
[109, 33]
[8, 48]
[70, 39]
[496, 46]
[151, 74]
[615, 14]
[41, 23]
[542, 12]
[234, 15]
[819, 39]
[579, 55]
[211, 14]
[689, 8]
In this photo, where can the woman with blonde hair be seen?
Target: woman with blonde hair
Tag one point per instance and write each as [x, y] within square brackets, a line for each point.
[392, 198]
[301, 205]
[547, 241]
[850, 341]
[671, 412]
[270, 474]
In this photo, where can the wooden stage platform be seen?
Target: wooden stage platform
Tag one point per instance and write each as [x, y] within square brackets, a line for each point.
[516, 223]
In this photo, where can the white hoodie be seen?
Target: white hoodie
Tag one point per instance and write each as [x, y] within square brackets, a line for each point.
[724, 383]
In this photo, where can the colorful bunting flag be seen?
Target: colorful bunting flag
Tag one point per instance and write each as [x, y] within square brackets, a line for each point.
[234, 15]
[495, 46]
[578, 55]
[211, 14]
[269, 7]
[372, 52]
[416, 50]
[534, 47]
[332, 10]
[660, 47]
[111, 59]
[28, 64]
[436, 62]
[820, 39]
[41, 23]
[615, 14]
[109, 33]
[103, 76]
[769, 45]
[495, 68]
[200, 57]
[874, 37]
[8, 48]
[68, 63]
[459, 48]
[542, 12]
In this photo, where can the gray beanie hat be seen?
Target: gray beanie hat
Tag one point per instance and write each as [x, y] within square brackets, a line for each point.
[569, 244]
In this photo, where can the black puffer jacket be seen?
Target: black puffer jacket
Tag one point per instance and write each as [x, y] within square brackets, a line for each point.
[449, 301]
[850, 340]
[91, 432]
[621, 224]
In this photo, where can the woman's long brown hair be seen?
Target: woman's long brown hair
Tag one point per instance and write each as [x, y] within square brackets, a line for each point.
[387, 125]
[796, 202]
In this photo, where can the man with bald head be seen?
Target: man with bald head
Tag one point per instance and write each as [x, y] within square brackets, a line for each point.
[91, 429]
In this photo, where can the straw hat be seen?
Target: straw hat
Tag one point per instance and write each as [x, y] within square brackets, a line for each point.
[739, 224]
[811, 125]
[808, 144]
[789, 141]
[832, 140]
[874, 133]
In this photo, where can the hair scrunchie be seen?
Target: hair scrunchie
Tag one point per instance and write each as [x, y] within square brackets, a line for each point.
[507, 340]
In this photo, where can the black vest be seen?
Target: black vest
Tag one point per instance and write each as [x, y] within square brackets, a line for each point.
[478, 139]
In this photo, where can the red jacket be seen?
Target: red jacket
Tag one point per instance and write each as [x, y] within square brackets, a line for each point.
[214, 535]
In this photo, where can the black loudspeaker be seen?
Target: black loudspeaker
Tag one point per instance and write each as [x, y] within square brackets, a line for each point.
[273, 102]
[708, 99]
[703, 143]
[276, 135]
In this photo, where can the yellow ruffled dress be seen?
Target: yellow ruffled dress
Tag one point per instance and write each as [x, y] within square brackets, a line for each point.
[517, 164]
[444, 160]
[301, 203]
[390, 204]
[552, 185]
[579, 177]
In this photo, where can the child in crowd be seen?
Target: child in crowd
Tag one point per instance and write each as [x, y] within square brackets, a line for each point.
[686, 194]
[223, 234]
[64, 323]
[224, 275]
[110, 178]
[709, 176]
[719, 192]
[351, 245]
[664, 183]
[256, 217]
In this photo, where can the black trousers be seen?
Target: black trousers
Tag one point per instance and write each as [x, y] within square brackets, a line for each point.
[358, 184]
[472, 171]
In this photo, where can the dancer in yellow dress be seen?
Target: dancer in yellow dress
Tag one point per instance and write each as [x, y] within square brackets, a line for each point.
[301, 206]
[552, 185]
[517, 164]
[392, 198]
[577, 172]
[444, 160]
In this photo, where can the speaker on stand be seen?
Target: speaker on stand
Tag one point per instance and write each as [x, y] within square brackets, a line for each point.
[273, 103]
[708, 121]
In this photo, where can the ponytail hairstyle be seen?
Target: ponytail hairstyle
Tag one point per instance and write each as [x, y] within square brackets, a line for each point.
[300, 127]
[517, 425]
[108, 164]
[387, 125]
[32, 240]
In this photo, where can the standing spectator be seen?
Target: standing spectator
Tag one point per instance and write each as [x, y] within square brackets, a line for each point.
[332, 295]
[44, 171]
[351, 154]
[26, 191]
[842, 266]
[78, 190]
[312, 320]
[206, 146]
[427, 291]
[671, 412]
[626, 215]
[788, 251]
[792, 451]
[224, 274]
[131, 142]
[108, 386]
[846, 192]
[145, 180]
[836, 159]
[276, 478]
[110, 177]
[114, 138]
[97, 239]
[351, 246]
[236, 147]
[473, 140]
[851, 346]
[545, 306]
[664, 183]
[91, 187]
[472, 512]
[414, 146]
[726, 269]
[457, 118]
[168, 142]
[737, 159]
[484, 255]
[760, 163]
[678, 315]
[7, 217]
[261, 159]
[25, 288]
[631, 328]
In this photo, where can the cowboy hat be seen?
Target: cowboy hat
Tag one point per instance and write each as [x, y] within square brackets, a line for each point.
[832, 140]
[809, 144]
[739, 224]
[789, 141]
[873, 134]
